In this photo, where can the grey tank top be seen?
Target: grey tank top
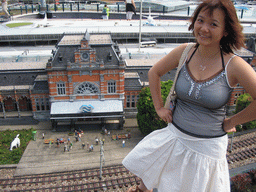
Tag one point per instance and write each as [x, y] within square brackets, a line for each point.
[201, 106]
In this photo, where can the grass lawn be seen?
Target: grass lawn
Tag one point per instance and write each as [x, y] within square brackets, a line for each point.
[11, 25]
[6, 137]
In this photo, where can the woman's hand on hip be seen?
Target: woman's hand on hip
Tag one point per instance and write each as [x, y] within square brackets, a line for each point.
[165, 114]
[227, 126]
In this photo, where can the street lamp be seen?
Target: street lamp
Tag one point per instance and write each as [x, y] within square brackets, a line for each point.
[140, 24]
[102, 158]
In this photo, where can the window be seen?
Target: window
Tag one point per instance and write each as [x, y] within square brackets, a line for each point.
[47, 103]
[128, 101]
[112, 87]
[138, 96]
[109, 57]
[42, 104]
[133, 101]
[61, 88]
[37, 104]
[86, 88]
[60, 58]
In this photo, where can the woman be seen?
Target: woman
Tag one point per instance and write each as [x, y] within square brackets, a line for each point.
[130, 9]
[190, 153]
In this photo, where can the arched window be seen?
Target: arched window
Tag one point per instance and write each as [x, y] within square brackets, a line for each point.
[86, 88]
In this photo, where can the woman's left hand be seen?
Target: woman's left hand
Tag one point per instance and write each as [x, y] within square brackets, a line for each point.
[227, 126]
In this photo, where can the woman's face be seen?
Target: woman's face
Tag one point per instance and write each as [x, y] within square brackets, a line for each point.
[208, 29]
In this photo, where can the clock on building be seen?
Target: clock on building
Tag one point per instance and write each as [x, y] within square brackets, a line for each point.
[85, 56]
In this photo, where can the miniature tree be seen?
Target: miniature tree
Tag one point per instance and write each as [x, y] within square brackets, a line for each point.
[147, 118]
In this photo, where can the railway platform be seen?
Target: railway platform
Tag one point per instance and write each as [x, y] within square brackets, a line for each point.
[40, 158]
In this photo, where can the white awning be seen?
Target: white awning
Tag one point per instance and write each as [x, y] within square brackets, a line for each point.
[98, 106]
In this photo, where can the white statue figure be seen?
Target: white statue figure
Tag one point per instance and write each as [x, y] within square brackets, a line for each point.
[15, 142]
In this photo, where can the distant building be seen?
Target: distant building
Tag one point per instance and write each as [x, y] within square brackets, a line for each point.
[86, 79]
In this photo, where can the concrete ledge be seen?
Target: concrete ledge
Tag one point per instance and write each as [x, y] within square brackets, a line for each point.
[8, 166]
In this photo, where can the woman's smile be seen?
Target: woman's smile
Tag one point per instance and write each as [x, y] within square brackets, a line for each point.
[209, 28]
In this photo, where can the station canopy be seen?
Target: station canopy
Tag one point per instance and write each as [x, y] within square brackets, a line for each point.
[86, 108]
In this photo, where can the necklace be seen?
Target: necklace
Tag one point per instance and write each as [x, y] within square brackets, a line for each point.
[202, 67]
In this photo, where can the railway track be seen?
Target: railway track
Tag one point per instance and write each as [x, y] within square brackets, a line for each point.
[243, 151]
[114, 178]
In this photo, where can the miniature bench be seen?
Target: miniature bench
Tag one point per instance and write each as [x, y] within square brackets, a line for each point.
[47, 141]
[121, 136]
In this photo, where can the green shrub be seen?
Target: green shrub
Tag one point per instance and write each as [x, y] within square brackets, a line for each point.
[242, 102]
[147, 118]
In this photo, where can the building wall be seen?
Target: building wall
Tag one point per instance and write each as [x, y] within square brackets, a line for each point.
[72, 80]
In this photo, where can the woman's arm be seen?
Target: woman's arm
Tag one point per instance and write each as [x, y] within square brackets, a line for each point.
[166, 64]
[241, 72]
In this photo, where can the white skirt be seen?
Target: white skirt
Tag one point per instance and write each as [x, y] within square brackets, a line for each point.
[172, 161]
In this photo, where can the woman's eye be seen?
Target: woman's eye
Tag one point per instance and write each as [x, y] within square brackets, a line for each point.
[214, 24]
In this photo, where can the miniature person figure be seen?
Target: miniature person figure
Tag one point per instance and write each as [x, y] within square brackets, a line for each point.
[43, 135]
[50, 144]
[106, 131]
[87, 146]
[58, 142]
[83, 145]
[105, 12]
[79, 136]
[65, 147]
[123, 143]
[70, 146]
[130, 9]
[4, 8]
[96, 140]
[68, 140]
[91, 148]
[103, 141]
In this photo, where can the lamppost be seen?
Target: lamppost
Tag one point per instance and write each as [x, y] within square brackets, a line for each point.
[102, 158]
[140, 24]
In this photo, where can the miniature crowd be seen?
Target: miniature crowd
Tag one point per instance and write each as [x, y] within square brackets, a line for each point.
[68, 144]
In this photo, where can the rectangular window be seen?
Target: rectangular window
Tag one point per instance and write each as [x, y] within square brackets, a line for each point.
[61, 88]
[42, 104]
[47, 104]
[133, 101]
[128, 101]
[111, 87]
[138, 96]
[37, 104]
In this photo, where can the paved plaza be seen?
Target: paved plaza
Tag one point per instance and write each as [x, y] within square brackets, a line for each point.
[44, 158]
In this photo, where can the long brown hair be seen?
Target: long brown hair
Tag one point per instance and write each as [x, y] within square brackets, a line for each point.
[234, 38]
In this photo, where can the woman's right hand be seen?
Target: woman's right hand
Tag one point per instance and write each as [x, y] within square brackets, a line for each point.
[165, 114]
